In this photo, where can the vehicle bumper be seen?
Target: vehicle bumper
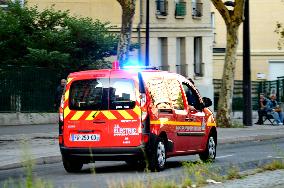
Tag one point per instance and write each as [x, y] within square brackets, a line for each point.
[103, 154]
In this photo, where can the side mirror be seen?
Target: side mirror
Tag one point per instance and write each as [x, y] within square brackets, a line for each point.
[207, 102]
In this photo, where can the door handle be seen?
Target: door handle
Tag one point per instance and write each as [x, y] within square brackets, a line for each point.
[99, 121]
[85, 131]
[188, 119]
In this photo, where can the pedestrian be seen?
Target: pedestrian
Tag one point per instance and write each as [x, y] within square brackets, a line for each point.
[58, 93]
[275, 109]
[263, 108]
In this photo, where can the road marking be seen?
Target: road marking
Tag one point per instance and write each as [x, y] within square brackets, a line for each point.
[224, 156]
[276, 157]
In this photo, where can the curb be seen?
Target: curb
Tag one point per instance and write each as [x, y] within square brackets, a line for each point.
[37, 161]
[249, 138]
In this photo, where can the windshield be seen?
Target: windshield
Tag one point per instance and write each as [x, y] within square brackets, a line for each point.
[102, 94]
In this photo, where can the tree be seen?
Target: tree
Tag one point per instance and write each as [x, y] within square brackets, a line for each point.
[128, 11]
[53, 39]
[232, 17]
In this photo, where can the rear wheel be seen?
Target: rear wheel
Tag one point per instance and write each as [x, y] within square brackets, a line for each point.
[158, 157]
[210, 152]
[72, 165]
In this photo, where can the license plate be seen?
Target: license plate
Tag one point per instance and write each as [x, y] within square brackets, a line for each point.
[85, 137]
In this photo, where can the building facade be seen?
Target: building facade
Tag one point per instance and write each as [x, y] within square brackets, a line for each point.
[267, 61]
[181, 33]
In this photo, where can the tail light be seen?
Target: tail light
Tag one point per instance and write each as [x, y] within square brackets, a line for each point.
[60, 139]
[145, 138]
[61, 115]
[61, 119]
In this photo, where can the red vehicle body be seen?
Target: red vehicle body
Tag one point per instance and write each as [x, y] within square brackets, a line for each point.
[132, 116]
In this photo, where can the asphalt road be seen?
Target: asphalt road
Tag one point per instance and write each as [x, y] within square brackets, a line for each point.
[244, 155]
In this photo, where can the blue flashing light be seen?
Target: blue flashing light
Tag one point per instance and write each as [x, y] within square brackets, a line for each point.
[136, 66]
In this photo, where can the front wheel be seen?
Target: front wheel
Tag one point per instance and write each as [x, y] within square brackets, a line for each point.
[210, 152]
[72, 166]
[158, 157]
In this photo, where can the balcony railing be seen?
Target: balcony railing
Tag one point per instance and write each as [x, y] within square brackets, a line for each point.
[180, 9]
[182, 69]
[199, 69]
[164, 67]
[197, 10]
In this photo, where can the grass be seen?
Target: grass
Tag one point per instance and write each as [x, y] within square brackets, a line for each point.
[30, 180]
[198, 174]
[274, 165]
[237, 124]
[233, 173]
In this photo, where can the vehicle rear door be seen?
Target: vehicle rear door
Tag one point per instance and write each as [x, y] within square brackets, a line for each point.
[86, 110]
[124, 115]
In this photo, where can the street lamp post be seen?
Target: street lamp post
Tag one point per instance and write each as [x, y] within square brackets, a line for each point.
[247, 111]
[147, 33]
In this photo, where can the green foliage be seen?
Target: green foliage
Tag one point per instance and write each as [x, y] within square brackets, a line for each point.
[233, 173]
[53, 39]
[198, 173]
[274, 165]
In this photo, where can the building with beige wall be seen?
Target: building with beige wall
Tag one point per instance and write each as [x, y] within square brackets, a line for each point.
[267, 61]
[181, 33]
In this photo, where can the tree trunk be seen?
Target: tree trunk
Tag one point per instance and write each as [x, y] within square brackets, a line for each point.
[125, 32]
[226, 93]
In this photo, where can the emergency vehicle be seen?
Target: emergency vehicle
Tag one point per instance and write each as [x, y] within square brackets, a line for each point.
[134, 116]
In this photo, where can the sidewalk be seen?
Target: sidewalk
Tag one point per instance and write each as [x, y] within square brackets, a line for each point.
[43, 147]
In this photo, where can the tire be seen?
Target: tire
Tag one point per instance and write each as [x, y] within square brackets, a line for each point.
[72, 166]
[157, 159]
[210, 152]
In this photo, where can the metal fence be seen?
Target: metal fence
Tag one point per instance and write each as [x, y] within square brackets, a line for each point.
[30, 89]
[237, 103]
[27, 89]
[273, 87]
[257, 87]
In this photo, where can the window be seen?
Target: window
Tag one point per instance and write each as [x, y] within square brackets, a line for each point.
[97, 94]
[158, 93]
[162, 7]
[180, 9]
[122, 94]
[191, 96]
[89, 95]
[219, 50]
[181, 66]
[196, 9]
[198, 65]
[175, 95]
[163, 53]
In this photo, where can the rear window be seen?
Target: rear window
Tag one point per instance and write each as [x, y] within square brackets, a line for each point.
[102, 94]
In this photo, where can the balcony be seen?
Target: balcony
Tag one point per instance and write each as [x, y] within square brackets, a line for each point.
[180, 9]
[197, 10]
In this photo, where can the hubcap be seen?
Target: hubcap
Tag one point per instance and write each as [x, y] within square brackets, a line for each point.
[161, 154]
[211, 148]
